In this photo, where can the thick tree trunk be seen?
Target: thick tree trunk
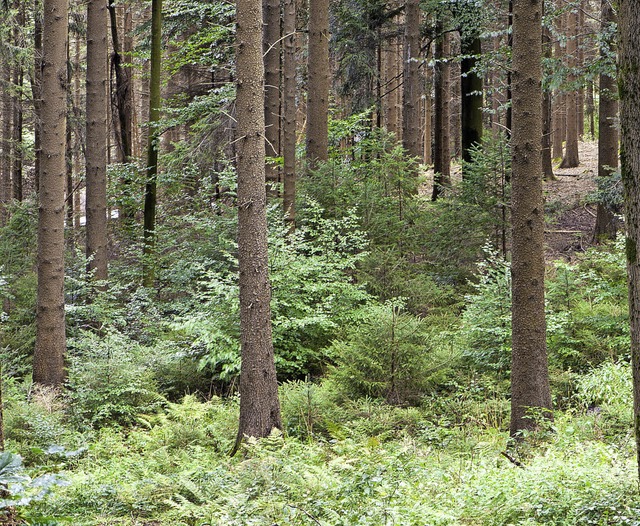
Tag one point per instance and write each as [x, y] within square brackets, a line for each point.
[318, 83]
[606, 223]
[289, 110]
[570, 159]
[629, 84]
[259, 405]
[150, 194]
[96, 134]
[529, 373]
[470, 95]
[48, 358]
[271, 45]
[441, 153]
[412, 84]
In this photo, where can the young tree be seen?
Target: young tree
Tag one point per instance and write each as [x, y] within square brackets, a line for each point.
[96, 134]
[629, 85]
[259, 404]
[150, 194]
[318, 83]
[48, 357]
[529, 371]
[607, 127]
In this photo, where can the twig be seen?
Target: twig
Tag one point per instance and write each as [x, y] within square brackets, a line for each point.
[511, 459]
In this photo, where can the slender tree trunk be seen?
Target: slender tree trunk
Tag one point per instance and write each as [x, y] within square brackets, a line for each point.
[289, 111]
[36, 89]
[259, 404]
[590, 108]
[606, 223]
[48, 358]
[547, 164]
[318, 83]
[509, 116]
[570, 159]
[428, 115]
[271, 45]
[16, 173]
[150, 195]
[412, 85]
[442, 155]
[96, 155]
[6, 114]
[529, 372]
[629, 84]
[470, 95]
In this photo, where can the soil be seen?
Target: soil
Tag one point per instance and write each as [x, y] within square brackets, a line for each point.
[570, 218]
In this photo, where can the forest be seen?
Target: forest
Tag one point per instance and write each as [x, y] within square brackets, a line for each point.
[312, 262]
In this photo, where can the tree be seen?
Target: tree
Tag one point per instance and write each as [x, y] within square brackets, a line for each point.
[529, 372]
[607, 127]
[318, 83]
[289, 110]
[259, 404]
[48, 357]
[150, 194]
[271, 44]
[96, 134]
[471, 87]
[570, 159]
[629, 86]
[412, 85]
[442, 155]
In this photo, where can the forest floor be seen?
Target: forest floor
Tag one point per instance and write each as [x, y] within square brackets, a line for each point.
[570, 214]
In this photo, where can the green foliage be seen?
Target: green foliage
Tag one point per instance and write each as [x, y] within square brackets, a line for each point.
[390, 354]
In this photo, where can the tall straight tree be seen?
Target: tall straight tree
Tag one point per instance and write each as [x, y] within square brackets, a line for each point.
[529, 370]
[607, 127]
[318, 83]
[571, 159]
[471, 87]
[629, 85]
[259, 404]
[289, 109]
[411, 81]
[153, 143]
[48, 358]
[271, 44]
[441, 148]
[96, 134]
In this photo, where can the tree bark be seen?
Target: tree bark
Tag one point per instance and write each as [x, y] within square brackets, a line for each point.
[570, 159]
[318, 83]
[271, 45]
[289, 111]
[529, 373]
[547, 164]
[48, 358]
[412, 85]
[153, 136]
[629, 87]
[606, 223]
[442, 154]
[96, 134]
[259, 404]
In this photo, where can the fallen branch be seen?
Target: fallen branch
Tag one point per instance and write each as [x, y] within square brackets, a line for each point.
[511, 459]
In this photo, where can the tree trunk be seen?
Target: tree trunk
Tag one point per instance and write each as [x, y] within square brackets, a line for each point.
[547, 164]
[96, 134]
[318, 83]
[570, 159]
[16, 172]
[289, 111]
[629, 85]
[153, 136]
[271, 45]
[36, 88]
[259, 405]
[606, 223]
[48, 358]
[5, 161]
[412, 85]
[529, 373]
[470, 95]
[441, 152]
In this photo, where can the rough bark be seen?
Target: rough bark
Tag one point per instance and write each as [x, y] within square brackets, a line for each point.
[48, 358]
[96, 135]
[471, 87]
[150, 193]
[629, 90]
[259, 405]
[606, 223]
[289, 110]
[412, 84]
[5, 154]
[318, 83]
[441, 152]
[570, 159]
[529, 373]
[271, 45]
